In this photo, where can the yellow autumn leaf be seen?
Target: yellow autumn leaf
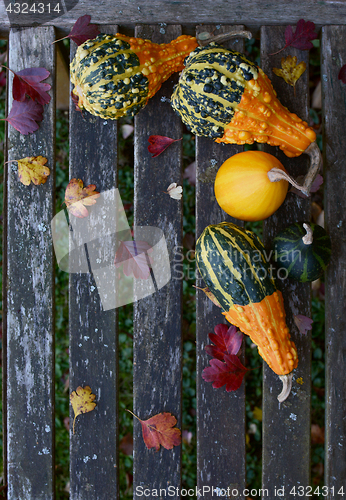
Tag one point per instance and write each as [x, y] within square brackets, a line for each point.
[82, 401]
[33, 169]
[291, 71]
[257, 413]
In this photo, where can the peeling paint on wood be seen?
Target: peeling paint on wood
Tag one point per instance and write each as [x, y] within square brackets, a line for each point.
[333, 56]
[292, 461]
[217, 410]
[29, 335]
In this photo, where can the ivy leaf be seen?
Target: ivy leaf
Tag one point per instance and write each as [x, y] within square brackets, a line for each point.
[158, 143]
[291, 71]
[303, 323]
[28, 82]
[160, 430]
[78, 197]
[227, 340]
[342, 74]
[33, 169]
[133, 256]
[229, 372]
[82, 401]
[82, 30]
[24, 115]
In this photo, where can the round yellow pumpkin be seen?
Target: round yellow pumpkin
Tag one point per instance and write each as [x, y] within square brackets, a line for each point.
[243, 189]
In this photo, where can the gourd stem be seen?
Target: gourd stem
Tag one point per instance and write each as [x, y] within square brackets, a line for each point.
[287, 386]
[275, 174]
[205, 38]
[308, 237]
[315, 162]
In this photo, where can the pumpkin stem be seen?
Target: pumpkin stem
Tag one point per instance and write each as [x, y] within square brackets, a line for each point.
[315, 162]
[308, 238]
[287, 385]
[275, 174]
[205, 38]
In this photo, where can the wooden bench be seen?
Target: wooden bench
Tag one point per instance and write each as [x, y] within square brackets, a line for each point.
[28, 342]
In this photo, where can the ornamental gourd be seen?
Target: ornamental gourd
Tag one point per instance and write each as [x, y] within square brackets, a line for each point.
[115, 75]
[224, 96]
[243, 188]
[304, 250]
[234, 268]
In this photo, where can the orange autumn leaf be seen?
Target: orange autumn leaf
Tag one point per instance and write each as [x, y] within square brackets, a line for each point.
[82, 401]
[160, 430]
[78, 197]
[32, 169]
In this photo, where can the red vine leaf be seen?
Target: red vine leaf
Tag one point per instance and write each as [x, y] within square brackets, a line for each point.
[28, 82]
[301, 38]
[160, 430]
[229, 372]
[342, 74]
[24, 115]
[227, 340]
[82, 30]
[158, 143]
[133, 256]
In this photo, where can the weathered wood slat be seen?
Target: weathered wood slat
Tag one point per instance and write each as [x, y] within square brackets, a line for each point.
[250, 13]
[220, 415]
[28, 281]
[286, 426]
[334, 122]
[93, 331]
[157, 354]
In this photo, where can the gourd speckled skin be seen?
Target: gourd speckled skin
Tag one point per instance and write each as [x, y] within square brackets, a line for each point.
[304, 262]
[234, 268]
[115, 75]
[224, 96]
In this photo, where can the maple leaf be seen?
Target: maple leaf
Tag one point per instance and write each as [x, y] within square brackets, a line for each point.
[227, 340]
[342, 74]
[291, 71]
[24, 115]
[229, 372]
[32, 169]
[78, 197]
[158, 143]
[175, 191]
[133, 256]
[82, 401]
[301, 38]
[209, 294]
[160, 430]
[28, 82]
[82, 30]
[303, 323]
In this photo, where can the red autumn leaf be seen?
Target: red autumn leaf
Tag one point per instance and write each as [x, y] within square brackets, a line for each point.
[160, 430]
[2, 78]
[300, 39]
[78, 197]
[28, 82]
[24, 115]
[342, 74]
[82, 30]
[133, 256]
[303, 323]
[226, 340]
[158, 143]
[230, 372]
